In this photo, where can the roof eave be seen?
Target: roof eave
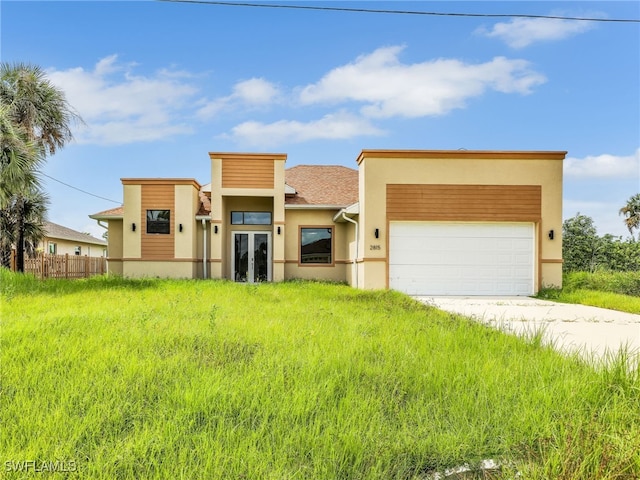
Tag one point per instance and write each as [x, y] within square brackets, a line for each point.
[106, 217]
[297, 206]
[350, 211]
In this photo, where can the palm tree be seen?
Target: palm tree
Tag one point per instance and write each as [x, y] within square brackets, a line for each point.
[35, 122]
[19, 158]
[36, 105]
[21, 223]
[631, 212]
[18, 190]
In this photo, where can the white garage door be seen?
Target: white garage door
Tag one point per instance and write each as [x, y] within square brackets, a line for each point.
[458, 258]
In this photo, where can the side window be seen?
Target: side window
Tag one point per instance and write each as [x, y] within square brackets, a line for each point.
[78, 250]
[316, 245]
[53, 248]
[158, 221]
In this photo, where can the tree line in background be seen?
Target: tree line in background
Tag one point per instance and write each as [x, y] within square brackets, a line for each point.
[35, 121]
[584, 250]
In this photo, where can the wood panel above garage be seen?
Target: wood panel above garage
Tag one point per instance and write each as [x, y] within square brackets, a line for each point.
[436, 202]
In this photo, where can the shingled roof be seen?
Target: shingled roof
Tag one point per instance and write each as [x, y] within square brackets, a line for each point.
[333, 185]
[314, 185]
[53, 230]
[205, 201]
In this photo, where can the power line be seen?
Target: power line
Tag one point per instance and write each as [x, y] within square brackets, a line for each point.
[405, 12]
[80, 190]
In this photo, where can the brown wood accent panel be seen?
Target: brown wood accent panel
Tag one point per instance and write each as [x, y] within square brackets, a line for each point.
[158, 246]
[247, 173]
[464, 202]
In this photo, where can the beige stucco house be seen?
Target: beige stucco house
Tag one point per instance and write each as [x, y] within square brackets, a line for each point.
[61, 240]
[451, 222]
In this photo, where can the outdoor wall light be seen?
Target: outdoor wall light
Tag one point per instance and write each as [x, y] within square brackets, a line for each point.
[215, 229]
[550, 234]
[376, 233]
[180, 227]
[133, 227]
[278, 230]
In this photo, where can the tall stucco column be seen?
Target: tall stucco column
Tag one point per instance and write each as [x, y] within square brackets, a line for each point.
[217, 225]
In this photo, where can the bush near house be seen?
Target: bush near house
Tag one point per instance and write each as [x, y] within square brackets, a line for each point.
[605, 289]
[161, 379]
[584, 250]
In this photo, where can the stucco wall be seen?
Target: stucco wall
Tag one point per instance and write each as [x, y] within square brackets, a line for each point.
[160, 269]
[132, 246]
[261, 196]
[64, 247]
[186, 207]
[115, 247]
[471, 168]
[296, 218]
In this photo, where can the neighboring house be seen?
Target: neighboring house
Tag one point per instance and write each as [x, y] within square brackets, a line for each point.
[62, 240]
[452, 222]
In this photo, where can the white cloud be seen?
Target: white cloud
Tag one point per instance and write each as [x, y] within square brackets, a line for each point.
[389, 88]
[341, 125]
[603, 213]
[522, 32]
[604, 166]
[120, 107]
[255, 92]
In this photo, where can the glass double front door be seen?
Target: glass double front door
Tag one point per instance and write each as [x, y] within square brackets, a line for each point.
[251, 257]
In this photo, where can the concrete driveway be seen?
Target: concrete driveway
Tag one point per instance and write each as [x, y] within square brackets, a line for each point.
[589, 330]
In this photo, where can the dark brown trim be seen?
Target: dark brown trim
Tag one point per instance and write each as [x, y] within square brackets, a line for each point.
[463, 154]
[245, 156]
[161, 181]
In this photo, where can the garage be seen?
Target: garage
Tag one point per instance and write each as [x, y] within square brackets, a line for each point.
[461, 258]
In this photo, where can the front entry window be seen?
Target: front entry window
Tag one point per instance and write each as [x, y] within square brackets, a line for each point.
[251, 257]
[241, 257]
[250, 218]
[316, 245]
[260, 257]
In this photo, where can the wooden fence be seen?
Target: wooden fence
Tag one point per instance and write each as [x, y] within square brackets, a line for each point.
[46, 265]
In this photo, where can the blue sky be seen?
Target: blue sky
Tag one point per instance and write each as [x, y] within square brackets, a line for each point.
[159, 85]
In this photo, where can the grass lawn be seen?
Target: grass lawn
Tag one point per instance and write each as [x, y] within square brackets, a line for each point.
[158, 379]
[614, 290]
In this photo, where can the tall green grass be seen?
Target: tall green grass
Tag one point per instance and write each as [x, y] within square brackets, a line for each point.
[623, 283]
[613, 290]
[160, 379]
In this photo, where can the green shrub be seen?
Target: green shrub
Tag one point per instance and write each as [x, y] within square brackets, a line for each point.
[625, 283]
